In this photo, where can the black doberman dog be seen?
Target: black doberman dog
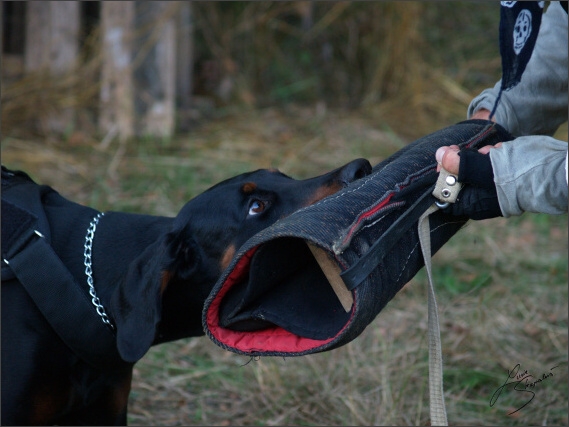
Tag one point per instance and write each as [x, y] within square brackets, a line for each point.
[152, 275]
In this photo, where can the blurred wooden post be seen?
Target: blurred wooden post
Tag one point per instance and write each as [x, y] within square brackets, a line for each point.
[138, 80]
[184, 64]
[52, 45]
[117, 104]
[155, 76]
[52, 33]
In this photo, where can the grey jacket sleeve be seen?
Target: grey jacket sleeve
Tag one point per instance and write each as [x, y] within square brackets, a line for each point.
[531, 175]
[530, 171]
[538, 104]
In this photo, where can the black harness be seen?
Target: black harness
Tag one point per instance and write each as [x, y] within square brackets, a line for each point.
[28, 256]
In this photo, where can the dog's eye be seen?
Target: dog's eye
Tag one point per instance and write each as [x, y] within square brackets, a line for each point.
[256, 207]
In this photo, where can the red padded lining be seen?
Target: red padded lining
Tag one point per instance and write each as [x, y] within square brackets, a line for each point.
[274, 339]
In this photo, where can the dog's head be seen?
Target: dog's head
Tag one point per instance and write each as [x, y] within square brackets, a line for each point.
[169, 283]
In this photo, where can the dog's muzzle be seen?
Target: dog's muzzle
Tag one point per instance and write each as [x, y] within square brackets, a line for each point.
[314, 280]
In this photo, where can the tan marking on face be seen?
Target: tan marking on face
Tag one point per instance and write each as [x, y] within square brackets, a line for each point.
[248, 187]
[322, 192]
[227, 257]
[166, 277]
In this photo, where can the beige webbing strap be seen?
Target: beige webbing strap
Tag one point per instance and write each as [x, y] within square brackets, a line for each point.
[332, 273]
[447, 187]
[437, 399]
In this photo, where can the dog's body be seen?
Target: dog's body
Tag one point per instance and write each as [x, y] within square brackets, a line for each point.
[152, 275]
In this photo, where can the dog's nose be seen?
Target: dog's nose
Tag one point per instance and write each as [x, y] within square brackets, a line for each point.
[354, 170]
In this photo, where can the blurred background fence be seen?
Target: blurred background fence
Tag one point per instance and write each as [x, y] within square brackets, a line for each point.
[156, 68]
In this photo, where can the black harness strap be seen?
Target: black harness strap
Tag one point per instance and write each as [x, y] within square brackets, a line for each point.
[55, 292]
[363, 267]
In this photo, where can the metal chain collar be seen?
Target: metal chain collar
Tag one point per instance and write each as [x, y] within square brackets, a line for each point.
[89, 271]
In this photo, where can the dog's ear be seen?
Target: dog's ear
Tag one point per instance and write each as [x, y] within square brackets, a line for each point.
[137, 302]
[184, 255]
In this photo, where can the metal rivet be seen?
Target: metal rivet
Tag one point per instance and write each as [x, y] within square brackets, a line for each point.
[442, 205]
[445, 193]
[450, 180]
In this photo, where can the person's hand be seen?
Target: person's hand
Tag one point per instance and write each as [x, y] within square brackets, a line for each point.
[478, 198]
[482, 114]
[448, 157]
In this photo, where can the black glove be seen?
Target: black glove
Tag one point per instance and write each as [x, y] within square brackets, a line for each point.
[478, 198]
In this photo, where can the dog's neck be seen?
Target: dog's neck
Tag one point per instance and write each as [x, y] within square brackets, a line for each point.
[120, 238]
[123, 238]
